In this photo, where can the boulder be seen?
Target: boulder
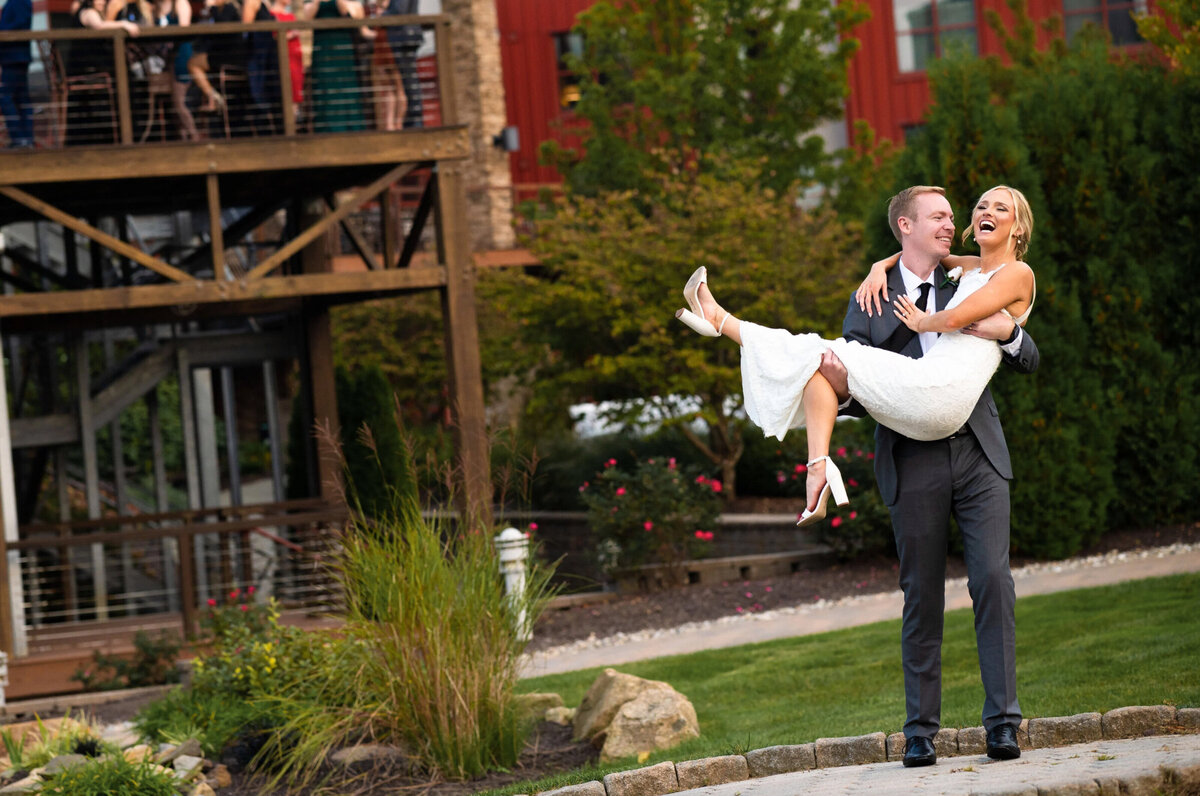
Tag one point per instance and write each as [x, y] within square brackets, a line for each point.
[658, 718]
[604, 698]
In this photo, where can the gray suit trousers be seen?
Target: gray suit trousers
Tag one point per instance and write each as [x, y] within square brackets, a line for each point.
[936, 479]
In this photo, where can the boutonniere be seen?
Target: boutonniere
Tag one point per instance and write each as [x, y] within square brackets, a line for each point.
[952, 276]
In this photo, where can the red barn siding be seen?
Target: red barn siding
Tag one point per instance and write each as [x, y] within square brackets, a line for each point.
[527, 57]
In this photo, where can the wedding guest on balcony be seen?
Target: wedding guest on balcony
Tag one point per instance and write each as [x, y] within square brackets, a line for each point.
[283, 12]
[404, 42]
[90, 113]
[337, 94]
[14, 75]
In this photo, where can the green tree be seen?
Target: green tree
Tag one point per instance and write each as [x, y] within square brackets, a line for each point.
[745, 77]
[1100, 144]
[1175, 30]
[602, 311]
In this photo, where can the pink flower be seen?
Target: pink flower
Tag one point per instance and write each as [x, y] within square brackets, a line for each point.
[841, 451]
[614, 509]
[852, 482]
[244, 607]
[699, 534]
[620, 491]
[836, 522]
[768, 588]
[233, 595]
[708, 536]
[853, 514]
[649, 461]
[610, 463]
[249, 590]
[870, 456]
[701, 479]
[858, 453]
[649, 526]
[671, 463]
[585, 486]
[780, 477]
[533, 526]
[801, 468]
[749, 595]
[739, 609]
[716, 485]
[212, 603]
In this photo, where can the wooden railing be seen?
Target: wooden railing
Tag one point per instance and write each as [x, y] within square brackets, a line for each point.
[176, 561]
[136, 95]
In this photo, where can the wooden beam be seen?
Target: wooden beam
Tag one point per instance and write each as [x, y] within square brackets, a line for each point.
[246, 155]
[321, 376]
[356, 239]
[104, 239]
[310, 234]
[420, 217]
[12, 601]
[72, 302]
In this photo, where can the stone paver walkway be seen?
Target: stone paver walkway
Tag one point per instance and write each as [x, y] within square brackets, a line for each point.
[852, 612]
[1138, 767]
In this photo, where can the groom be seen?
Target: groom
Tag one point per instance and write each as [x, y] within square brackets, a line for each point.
[923, 483]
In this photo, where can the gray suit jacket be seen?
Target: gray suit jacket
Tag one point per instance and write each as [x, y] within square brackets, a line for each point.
[886, 331]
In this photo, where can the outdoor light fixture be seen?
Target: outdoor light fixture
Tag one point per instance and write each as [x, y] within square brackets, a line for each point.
[509, 139]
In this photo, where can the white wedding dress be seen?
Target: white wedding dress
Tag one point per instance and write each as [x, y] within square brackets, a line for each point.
[925, 399]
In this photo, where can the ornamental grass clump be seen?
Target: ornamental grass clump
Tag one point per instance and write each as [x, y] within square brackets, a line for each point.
[428, 658]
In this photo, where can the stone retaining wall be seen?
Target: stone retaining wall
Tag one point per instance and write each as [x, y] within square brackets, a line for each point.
[668, 777]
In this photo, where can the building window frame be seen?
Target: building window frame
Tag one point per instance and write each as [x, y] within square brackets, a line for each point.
[912, 60]
[1104, 13]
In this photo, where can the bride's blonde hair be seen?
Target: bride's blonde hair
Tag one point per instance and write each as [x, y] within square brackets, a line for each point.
[1024, 220]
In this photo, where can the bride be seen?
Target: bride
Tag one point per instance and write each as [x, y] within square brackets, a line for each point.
[924, 399]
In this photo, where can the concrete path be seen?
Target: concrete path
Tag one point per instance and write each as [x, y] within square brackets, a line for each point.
[821, 617]
[1139, 767]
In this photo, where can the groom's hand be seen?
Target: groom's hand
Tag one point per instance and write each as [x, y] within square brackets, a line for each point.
[996, 326]
[835, 373]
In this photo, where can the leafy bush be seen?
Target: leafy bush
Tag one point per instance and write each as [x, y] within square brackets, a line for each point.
[656, 513]
[212, 717]
[112, 775]
[153, 663]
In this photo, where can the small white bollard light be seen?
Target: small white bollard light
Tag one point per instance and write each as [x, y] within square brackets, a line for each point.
[513, 549]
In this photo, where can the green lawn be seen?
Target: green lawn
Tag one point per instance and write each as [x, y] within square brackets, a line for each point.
[1089, 650]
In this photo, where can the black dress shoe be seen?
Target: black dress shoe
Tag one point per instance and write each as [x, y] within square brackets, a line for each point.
[1002, 743]
[918, 751]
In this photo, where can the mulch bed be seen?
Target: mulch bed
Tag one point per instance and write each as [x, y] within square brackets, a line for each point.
[550, 750]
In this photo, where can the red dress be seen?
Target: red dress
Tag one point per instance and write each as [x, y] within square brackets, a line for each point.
[295, 56]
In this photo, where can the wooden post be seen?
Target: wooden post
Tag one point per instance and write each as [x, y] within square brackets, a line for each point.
[192, 584]
[320, 363]
[91, 471]
[285, 82]
[121, 74]
[462, 345]
[170, 548]
[216, 234]
[12, 602]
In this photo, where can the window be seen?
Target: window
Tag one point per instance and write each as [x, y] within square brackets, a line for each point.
[568, 84]
[1114, 15]
[928, 29]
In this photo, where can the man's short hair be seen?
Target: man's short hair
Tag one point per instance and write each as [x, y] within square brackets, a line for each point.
[904, 204]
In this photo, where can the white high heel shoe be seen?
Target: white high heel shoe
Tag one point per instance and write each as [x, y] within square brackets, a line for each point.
[833, 485]
[695, 317]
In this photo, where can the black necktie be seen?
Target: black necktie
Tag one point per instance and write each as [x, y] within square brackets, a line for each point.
[923, 300]
[903, 335]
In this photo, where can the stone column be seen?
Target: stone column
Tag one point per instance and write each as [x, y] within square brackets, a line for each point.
[478, 81]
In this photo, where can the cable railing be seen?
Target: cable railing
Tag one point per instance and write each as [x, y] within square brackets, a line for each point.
[225, 80]
[146, 564]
